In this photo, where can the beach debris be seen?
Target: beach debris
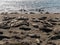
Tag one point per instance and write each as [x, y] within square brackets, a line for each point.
[38, 41]
[22, 18]
[55, 37]
[16, 37]
[22, 10]
[46, 29]
[54, 23]
[43, 18]
[35, 20]
[51, 43]
[54, 20]
[25, 28]
[25, 23]
[47, 24]
[14, 13]
[35, 25]
[4, 25]
[47, 13]
[56, 30]
[26, 42]
[4, 13]
[33, 35]
[32, 13]
[15, 24]
[2, 37]
[1, 32]
[7, 18]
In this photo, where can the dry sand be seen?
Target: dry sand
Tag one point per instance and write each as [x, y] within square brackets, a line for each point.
[30, 29]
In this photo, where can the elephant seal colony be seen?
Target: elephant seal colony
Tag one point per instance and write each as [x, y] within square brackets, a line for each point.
[30, 29]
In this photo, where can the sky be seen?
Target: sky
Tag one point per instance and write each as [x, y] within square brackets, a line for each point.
[21, 0]
[26, 0]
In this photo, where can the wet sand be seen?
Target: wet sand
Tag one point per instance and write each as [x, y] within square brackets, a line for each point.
[30, 29]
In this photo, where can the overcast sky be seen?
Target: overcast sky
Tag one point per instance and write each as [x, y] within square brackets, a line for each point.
[20, 0]
[33, 0]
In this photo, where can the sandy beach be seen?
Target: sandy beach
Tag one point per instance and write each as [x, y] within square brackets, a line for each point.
[30, 29]
[29, 22]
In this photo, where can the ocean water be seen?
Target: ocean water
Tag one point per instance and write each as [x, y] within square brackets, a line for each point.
[15, 5]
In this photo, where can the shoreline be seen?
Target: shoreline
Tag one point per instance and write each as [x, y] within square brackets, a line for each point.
[7, 13]
[29, 11]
